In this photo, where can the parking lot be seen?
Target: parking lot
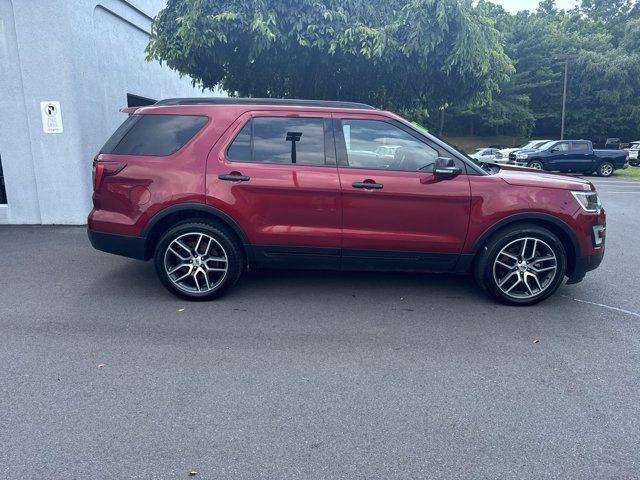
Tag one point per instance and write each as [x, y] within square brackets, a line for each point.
[314, 375]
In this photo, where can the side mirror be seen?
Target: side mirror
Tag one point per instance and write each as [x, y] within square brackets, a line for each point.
[446, 168]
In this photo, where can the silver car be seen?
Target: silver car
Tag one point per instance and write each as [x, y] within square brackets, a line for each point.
[634, 149]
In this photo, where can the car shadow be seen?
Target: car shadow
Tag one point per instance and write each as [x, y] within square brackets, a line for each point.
[132, 279]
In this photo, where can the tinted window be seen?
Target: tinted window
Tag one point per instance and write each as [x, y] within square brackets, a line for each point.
[375, 144]
[561, 147]
[288, 140]
[157, 135]
[3, 191]
[240, 148]
[580, 146]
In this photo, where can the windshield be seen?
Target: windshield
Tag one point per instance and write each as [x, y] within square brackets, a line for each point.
[529, 145]
[547, 146]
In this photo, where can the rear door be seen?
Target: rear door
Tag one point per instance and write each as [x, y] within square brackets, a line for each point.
[396, 213]
[580, 157]
[276, 175]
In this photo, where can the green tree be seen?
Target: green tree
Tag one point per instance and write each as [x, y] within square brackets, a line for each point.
[402, 54]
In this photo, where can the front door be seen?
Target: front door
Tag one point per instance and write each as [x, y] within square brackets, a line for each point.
[278, 179]
[558, 158]
[396, 213]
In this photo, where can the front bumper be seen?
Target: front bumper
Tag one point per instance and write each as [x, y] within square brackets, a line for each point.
[124, 245]
[585, 264]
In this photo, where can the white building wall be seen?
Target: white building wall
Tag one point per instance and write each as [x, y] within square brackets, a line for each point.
[87, 55]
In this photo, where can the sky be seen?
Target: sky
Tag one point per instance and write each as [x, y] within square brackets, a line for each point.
[514, 6]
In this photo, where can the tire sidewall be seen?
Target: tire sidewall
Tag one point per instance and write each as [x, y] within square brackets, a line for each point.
[484, 273]
[232, 248]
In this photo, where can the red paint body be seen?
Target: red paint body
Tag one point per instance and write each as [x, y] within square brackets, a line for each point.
[316, 206]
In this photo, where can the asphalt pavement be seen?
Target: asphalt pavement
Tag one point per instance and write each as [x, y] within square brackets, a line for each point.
[105, 375]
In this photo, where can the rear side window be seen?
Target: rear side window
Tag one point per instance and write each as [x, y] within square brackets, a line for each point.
[156, 135]
[580, 146]
[280, 140]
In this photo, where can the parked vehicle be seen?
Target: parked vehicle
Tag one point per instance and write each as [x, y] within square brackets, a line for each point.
[572, 156]
[503, 155]
[484, 154]
[634, 158]
[209, 188]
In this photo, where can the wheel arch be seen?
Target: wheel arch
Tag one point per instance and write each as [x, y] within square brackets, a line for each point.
[558, 227]
[170, 216]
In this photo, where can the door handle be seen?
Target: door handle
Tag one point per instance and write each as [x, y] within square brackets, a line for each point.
[367, 184]
[233, 177]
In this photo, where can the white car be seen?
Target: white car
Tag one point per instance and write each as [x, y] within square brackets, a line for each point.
[503, 155]
[484, 154]
[634, 158]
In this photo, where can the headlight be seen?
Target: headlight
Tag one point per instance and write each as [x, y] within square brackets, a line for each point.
[521, 156]
[589, 201]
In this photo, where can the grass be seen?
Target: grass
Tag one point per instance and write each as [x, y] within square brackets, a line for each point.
[632, 173]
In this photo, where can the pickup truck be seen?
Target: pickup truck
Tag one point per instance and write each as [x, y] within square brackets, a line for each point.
[572, 156]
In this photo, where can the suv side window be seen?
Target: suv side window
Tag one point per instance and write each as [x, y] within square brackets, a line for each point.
[561, 147]
[280, 140]
[154, 135]
[379, 145]
[579, 147]
[240, 148]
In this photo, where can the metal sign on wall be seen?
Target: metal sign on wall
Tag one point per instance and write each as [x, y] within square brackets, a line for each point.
[51, 117]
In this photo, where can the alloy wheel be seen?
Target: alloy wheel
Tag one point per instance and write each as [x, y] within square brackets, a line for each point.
[196, 263]
[606, 170]
[525, 268]
[536, 165]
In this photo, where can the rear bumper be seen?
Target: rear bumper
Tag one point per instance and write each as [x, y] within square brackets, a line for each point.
[583, 265]
[124, 245]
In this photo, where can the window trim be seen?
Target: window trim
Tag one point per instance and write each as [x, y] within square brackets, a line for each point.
[341, 146]
[329, 160]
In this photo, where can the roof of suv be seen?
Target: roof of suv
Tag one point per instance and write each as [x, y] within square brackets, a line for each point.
[262, 101]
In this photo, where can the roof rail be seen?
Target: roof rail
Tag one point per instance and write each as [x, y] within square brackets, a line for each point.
[262, 101]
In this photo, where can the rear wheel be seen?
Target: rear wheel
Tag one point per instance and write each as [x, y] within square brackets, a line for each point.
[198, 261]
[521, 265]
[605, 169]
[537, 164]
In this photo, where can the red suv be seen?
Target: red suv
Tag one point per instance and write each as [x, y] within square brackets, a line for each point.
[210, 188]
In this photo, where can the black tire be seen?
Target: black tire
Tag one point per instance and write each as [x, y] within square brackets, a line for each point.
[227, 245]
[537, 164]
[484, 267]
[605, 169]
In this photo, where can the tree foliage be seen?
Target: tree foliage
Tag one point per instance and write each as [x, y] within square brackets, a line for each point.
[468, 67]
[600, 40]
[401, 54]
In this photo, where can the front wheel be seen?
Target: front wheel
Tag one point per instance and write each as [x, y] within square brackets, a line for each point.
[199, 261]
[521, 265]
[605, 169]
[537, 164]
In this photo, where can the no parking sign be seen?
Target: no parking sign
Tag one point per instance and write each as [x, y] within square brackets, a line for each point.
[51, 117]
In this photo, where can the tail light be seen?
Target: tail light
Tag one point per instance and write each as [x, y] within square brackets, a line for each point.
[105, 169]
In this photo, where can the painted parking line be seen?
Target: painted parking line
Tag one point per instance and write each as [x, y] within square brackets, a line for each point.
[602, 305]
[617, 193]
[614, 182]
